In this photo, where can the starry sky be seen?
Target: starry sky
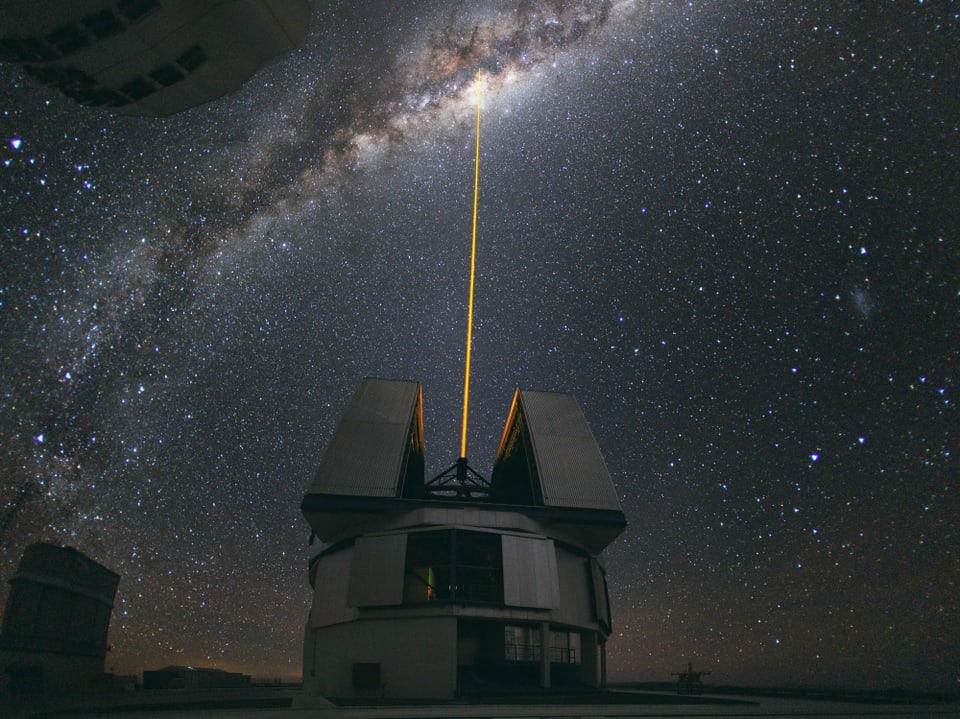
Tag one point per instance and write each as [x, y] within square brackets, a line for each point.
[729, 228]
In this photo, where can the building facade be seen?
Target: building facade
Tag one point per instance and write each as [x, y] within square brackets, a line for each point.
[457, 586]
[54, 635]
[148, 57]
[180, 678]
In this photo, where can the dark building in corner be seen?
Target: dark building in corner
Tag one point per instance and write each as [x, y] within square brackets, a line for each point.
[457, 585]
[54, 635]
[148, 57]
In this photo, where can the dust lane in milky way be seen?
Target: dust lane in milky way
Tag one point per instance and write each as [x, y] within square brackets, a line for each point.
[410, 98]
[728, 228]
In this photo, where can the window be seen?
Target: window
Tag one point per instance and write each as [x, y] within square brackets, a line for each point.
[103, 24]
[133, 10]
[26, 49]
[479, 567]
[428, 567]
[565, 647]
[453, 565]
[522, 644]
[166, 75]
[99, 96]
[193, 58]
[68, 38]
[138, 88]
[67, 78]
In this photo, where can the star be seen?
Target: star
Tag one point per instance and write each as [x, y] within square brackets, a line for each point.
[727, 228]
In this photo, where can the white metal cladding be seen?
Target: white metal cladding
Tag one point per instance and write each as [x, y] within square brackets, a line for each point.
[571, 468]
[330, 590]
[367, 453]
[529, 572]
[601, 601]
[376, 575]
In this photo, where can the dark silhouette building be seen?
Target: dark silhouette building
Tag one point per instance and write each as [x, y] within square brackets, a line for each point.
[148, 57]
[54, 635]
[458, 585]
[173, 678]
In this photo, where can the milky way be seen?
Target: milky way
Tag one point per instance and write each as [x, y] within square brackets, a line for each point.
[729, 228]
[161, 278]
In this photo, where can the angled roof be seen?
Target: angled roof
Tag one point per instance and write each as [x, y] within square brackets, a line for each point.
[549, 455]
[378, 445]
[69, 569]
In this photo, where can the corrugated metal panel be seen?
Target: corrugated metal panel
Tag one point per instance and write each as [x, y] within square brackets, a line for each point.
[529, 572]
[330, 593]
[601, 601]
[571, 468]
[368, 451]
[376, 575]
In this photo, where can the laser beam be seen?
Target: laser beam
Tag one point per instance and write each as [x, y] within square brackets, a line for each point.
[473, 265]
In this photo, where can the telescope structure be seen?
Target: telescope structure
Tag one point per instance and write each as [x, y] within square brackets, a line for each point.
[54, 635]
[457, 585]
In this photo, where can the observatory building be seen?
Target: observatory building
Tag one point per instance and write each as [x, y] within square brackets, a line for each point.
[457, 585]
[148, 57]
[55, 625]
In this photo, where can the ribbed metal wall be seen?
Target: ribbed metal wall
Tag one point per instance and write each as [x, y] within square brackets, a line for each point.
[367, 453]
[571, 468]
[530, 572]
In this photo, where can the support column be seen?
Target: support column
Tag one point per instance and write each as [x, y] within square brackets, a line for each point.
[590, 670]
[544, 655]
[603, 664]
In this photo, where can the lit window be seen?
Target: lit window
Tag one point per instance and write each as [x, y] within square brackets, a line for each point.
[453, 565]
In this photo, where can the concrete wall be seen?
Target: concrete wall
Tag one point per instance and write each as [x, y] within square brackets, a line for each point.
[417, 658]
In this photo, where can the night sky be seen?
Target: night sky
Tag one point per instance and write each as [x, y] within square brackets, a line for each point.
[729, 228]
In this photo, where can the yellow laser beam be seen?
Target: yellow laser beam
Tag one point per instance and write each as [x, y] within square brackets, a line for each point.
[473, 265]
